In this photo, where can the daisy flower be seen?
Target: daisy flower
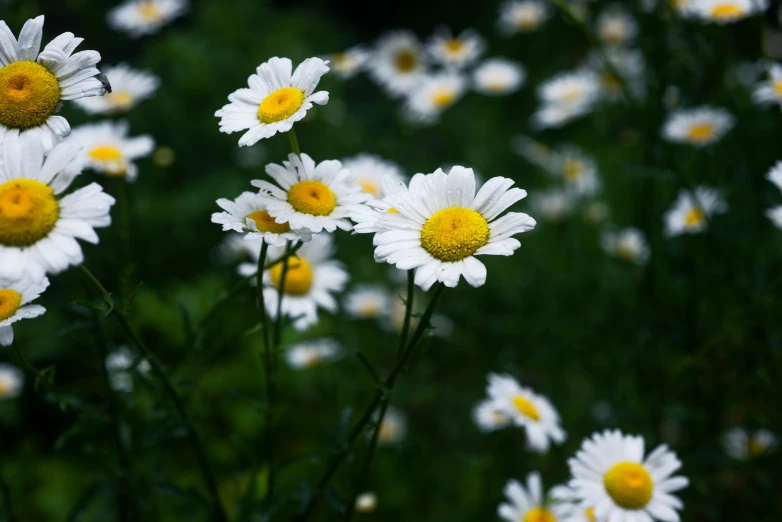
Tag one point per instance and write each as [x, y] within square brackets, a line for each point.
[611, 475]
[744, 445]
[566, 97]
[441, 224]
[519, 16]
[367, 302]
[775, 177]
[529, 504]
[32, 85]
[498, 76]
[15, 299]
[366, 502]
[368, 218]
[616, 27]
[11, 381]
[309, 196]
[770, 91]
[553, 204]
[107, 148]
[433, 95]
[455, 51]
[312, 353]
[488, 417]
[312, 277]
[128, 88]
[398, 62]
[369, 170]
[38, 225]
[568, 502]
[275, 100]
[628, 244]
[120, 365]
[726, 11]
[347, 63]
[526, 409]
[142, 17]
[247, 215]
[690, 212]
[577, 170]
[393, 427]
[699, 127]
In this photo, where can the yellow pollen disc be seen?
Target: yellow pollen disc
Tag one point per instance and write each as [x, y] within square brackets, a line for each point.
[120, 99]
[28, 212]
[312, 197]
[443, 98]
[149, 11]
[370, 309]
[778, 87]
[5, 388]
[694, 218]
[454, 233]
[629, 485]
[454, 46]
[405, 61]
[266, 223]
[526, 407]
[29, 94]
[105, 153]
[700, 132]
[280, 105]
[726, 12]
[590, 514]
[370, 186]
[573, 170]
[298, 279]
[392, 210]
[573, 94]
[539, 514]
[10, 302]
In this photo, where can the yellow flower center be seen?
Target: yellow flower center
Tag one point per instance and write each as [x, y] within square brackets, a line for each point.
[539, 514]
[369, 185]
[573, 169]
[388, 430]
[613, 32]
[496, 86]
[700, 132]
[525, 407]
[443, 98]
[726, 11]
[392, 210]
[110, 159]
[629, 485]
[5, 388]
[370, 309]
[120, 99]
[105, 153]
[149, 11]
[454, 233]
[625, 251]
[29, 94]
[778, 87]
[10, 302]
[280, 105]
[312, 197]
[313, 361]
[28, 212]
[755, 446]
[266, 223]
[573, 94]
[694, 218]
[454, 46]
[298, 278]
[406, 61]
[590, 514]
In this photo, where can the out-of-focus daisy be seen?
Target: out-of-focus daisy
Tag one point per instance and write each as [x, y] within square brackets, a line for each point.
[534, 151]
[744, 445]
[628, 244]
[488, 417]
[616, 27]
[368, 302]
[369, 217]
[441, 224]
[569, 505]
[566, 97]
[141, 17]
[247, 215]
[498, 76]
[32, 85]
[11, 381]
[368, 170]
[275, 100]
[38, 225]
[577, 170]
[455, 51]
[530, 504]
[770, 91]
[312, 277]
[611, 474]
[393, 427]
[396, 316]
[690, 212]
[775, 176]
[522, 16]
[700, 127]
[726, 11]
[312, 353]
[128, 88]
[398, 62]
[629, 63]
[433, 95]
[120, 365]
[107, 148]
[553, 204]
[366, 502]
[15, 299]
[235, 249]
[309, 196]
[527, 410]
[347, 63]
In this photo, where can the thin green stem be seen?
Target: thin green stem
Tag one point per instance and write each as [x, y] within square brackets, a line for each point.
[123, 203]
[294, 142]
[45, 376]
[122, 318]
[410, 300]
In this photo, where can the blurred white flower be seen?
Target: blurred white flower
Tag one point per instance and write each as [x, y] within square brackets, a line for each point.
[565, 97]
[498, 76]
[248, 215]
[699, 127]
[108, 150]
[553, 204]
[393, 427]
[455, 51]
[15, 298]
[522, 16]
[366, 502]
[628, 63]
[530, 504]
[488, 417]
[742, 444]
[775, 176]
[128, 88]
[398, 62]
[11, 381]
[368, 170]
[577, 170]
[119, 364]
[347, 63]
[596, 211]
[309, 354]
[628, 244]
[690, 212]
[368, 302]
[434, 94]
[616, 27]
[770, 91]
[142, 17]
[725, 11]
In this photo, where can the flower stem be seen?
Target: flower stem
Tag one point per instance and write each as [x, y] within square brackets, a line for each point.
[410, 299]
[294, 142]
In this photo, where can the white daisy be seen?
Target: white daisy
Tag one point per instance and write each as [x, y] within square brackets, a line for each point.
[610, 474]
[120, 365]
[309, 196]
[247, 215]
[128, 88]
[366, 502]
[368, 302]
[566, 97]
[553, 204]
[309, 354]
[107, 148]
[15, 298]
[530, 504]
[488, 417]
[522, 16]
[700, 127]
[628, 244]
[275, 100]
[770, 91]
[690, 213]
[570, 505]
[455, 51]
[441, 224]
[433, 95]
[498, 76]
[577, 170]
[616, 27]
[393, 427]
[11, 381]
[726, 11]
[347, 63]
[39, 226]
[142, 17]
[312, 277]
[744, 445]
[398, 62]
[369, 217]
[369, 170]
[32, 85]
[526, 409]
